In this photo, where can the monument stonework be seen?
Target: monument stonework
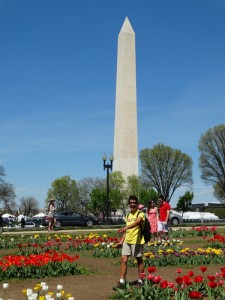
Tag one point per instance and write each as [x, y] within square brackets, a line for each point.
[125, 131]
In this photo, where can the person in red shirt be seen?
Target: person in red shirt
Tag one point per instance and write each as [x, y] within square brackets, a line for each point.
[163, 225]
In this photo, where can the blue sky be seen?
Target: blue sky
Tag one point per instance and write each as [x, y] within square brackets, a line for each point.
[58, 78]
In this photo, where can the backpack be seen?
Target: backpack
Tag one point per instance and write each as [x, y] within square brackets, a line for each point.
[146, 229]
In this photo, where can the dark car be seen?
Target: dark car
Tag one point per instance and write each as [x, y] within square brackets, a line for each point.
[70, 218]
[39, 221]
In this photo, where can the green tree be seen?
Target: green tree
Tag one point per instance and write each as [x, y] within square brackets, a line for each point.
[116, 199]
[133, 185]
[64, 191]
[184, 202]
[117, 191]
[146, 195]
[212, 159]
[85, 186]
[136, 186]
[219, 193]
[97, 202]
[166, 169]
[116, 181]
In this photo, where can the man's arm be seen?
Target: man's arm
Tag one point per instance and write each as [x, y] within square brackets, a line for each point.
[168, 212]
[167, 216]
[121, 240]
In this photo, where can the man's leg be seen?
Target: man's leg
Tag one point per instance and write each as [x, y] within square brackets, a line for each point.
[123, 272]
[140, 264]
[137, 253]
[160, 236]
[167, 236]
[123, 266]
[160, 233]
[141, 269]
[167, 232]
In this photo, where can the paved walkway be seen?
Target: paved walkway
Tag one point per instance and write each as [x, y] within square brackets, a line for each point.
[13, 231]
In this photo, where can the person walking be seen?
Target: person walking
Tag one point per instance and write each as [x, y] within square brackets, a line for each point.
[163, 225]
[22, 221]
[152, 213]
[1, 223]
[51, 211]
[132, 243]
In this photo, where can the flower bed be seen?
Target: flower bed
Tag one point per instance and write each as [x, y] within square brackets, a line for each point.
[38, 266]
[42, 292]
[194, 231]
[65, 243]
[185, 256]
[217, 241]
[187, 286]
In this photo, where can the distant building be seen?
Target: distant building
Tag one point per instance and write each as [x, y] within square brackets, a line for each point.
[203, 206]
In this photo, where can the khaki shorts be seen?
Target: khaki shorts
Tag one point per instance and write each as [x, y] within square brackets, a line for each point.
[135, 250]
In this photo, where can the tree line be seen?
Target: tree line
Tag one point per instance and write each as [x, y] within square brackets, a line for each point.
[163, 171]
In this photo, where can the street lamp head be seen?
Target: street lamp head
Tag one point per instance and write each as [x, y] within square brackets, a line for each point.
[104, 157]
[111, 157]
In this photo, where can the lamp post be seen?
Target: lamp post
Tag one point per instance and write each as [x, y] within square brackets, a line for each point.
[107, 166]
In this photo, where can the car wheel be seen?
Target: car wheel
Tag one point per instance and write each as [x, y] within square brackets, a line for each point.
[175, 221]
[90, 223]
[58, 224]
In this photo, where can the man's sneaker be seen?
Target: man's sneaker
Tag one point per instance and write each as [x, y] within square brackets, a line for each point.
[119, 286]
[136, 282]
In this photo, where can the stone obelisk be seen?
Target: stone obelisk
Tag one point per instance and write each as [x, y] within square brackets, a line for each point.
[125, 131]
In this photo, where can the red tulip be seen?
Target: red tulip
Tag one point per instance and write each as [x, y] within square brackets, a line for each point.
[198, 279]
[179, 271]
[203, 269]
[212, 284]
[211, 277]
[152, 269]
[191, 273]
[195, 295]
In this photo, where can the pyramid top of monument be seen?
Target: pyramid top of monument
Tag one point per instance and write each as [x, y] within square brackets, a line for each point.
[127, 26]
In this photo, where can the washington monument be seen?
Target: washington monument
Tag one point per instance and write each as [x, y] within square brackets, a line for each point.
[125, 131]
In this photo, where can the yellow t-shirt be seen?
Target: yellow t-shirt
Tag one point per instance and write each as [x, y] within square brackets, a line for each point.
[133, 235]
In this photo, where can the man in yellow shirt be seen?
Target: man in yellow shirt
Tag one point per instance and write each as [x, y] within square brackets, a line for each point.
[132, 242]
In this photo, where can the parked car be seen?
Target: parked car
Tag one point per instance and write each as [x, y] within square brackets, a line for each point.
[175, 218]
[113, 221]
[39, 221]
[70, 218]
